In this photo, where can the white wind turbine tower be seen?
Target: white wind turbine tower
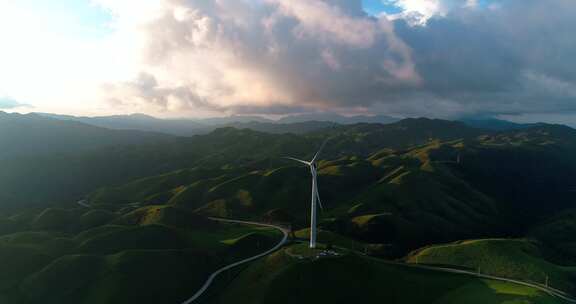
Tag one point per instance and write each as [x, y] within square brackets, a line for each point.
[315, 195]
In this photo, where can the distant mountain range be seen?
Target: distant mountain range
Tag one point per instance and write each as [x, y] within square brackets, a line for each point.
[36, 146]
[136, 122]
[190, 127]
[497, 124]
[340, 119]
[390, 188]
[40, 133]
[35, 135]
[297, 124]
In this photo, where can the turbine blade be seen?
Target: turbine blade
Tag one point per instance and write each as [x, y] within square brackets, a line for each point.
[298, 160]
[316, 193]
[318, 198]
[319, 151]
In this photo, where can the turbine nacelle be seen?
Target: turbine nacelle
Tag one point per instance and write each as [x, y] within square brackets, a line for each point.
[312, 163]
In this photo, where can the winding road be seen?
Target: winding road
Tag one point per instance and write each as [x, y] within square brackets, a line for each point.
[549, 290]
[206, 285]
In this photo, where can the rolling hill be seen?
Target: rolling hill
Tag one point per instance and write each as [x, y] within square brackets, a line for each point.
[340, 119]
[33, 135]
[140, 122]
[151, 254]
[281, 278]
[388, 189]
[190, 127]
[372, 197]
[521, 259]
[70, 175]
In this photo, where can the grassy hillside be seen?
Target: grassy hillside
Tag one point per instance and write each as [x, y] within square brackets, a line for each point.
[152, 254]
[281, 278]
[145, 276]
[559, 233]
[35, 135]
[71, 173]
[491, 186]
[519, 259]
[359, 155]
[388, 188]
[188, 127]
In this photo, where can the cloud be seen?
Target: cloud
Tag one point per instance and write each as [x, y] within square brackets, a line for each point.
[145, 90]
[7, 103]
[418, 12]
[511, 59]
[255, 54]
[440, 58]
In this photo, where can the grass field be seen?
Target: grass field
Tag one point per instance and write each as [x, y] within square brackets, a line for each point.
[511, 258]
[328, 237]
[280, 278]
[158, 258]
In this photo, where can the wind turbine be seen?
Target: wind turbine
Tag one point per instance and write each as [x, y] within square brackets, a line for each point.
[315, 195]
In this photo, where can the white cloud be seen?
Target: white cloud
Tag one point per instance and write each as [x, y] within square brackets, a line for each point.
[324, 21]
[418, 12]
[197, 57]
[274, 53]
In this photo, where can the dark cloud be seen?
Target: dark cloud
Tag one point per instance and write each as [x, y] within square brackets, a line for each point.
[146, 90]
[240, 55]
[284, 56]
[513, 58]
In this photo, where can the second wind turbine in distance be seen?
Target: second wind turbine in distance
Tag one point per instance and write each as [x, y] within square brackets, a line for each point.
[315, 195]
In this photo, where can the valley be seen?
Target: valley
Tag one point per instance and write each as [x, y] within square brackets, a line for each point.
[288, 151]
[429, 193]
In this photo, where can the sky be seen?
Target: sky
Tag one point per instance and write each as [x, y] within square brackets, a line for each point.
[510, 59]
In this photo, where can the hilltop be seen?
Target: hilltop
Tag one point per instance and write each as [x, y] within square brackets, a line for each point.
[521, 259]
[281, 278]
[460, 195]
[234, 148]
[191, 127]
[151, 254]
[388, 189]
[32, 135]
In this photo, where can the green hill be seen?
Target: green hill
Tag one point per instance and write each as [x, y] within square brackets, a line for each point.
[328, 237]
[559, 233]
[164, 276]
[146, 237]
[389, 189]
[19, 261]
[151, 254]
[281, 278]
[250, 244]
[35, 135]
[69, 175]
[96, 218]
[166, 215]
[518, 259]
[55, 219]
[373, 198]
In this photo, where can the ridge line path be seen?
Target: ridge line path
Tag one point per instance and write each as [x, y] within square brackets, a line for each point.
[551, 291]
[250, 259]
